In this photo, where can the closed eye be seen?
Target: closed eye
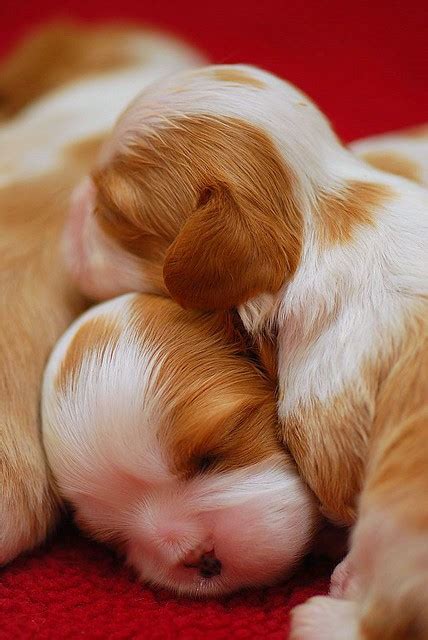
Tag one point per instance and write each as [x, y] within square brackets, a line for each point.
[206, 462]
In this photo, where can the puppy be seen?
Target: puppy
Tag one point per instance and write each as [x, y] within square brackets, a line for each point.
[82, 83]
[226, 187]
[164, 439]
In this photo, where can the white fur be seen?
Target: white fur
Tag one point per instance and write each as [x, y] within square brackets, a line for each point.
[356, 297]
[101, 439]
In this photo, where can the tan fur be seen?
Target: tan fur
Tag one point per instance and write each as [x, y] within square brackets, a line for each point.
[237, 76]
[387, 567]
[102, 333]
[266, 348]
[397, 473]
[332, 460]
[341, 214]
[394, 162]
[38, 301]
[56, 55]
[37, 305]
[219, 225]
[205, 391]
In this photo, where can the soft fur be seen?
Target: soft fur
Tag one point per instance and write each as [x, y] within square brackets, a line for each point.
[226, 187]
[82, 79]
[164, 439]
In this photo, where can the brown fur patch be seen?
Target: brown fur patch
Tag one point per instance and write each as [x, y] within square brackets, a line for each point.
[227, 223]
[266, 348]
[340, 215]
[329, 443]
[394, 162]
[237, 76]
[94, 337]
[389, 550]
[218, 412]
[56, 55]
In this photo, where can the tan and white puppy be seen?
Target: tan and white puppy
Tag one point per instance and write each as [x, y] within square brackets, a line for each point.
[226, 187]
[82, 78]
[164, 439]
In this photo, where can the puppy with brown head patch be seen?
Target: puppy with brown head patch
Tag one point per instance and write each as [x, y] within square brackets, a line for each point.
[226, 187]
[164, 440]
[45, 149]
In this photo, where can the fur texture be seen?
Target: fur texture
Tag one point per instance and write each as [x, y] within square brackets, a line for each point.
[164, 440]
[233, 183]
[46, 149]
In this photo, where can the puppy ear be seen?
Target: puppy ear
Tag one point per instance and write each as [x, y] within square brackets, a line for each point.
[226, 253]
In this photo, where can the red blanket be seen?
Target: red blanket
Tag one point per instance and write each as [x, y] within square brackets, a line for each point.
[365, 65]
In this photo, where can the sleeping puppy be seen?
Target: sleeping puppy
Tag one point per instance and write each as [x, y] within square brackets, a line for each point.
[164, 439]
[226, 187]
[83, 83]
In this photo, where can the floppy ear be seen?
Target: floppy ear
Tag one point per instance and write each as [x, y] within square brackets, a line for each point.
[226, 253]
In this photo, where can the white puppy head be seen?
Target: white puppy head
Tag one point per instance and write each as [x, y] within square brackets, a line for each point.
[163, 439]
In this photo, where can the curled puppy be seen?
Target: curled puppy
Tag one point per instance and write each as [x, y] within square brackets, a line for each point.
[164, 439]
[226, 187]
[83, 78]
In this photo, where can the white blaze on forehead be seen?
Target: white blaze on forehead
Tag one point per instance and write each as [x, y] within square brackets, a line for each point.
[111, 412]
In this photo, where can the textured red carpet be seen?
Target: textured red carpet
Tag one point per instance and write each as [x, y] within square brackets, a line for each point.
[76, 589]
[365, 64]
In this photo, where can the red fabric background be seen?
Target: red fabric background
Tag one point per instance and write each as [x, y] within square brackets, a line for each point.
[365, 65]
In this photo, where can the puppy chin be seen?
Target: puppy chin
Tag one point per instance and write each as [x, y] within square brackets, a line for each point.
[98, 267]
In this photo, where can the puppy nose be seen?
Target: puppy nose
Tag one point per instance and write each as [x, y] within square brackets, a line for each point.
[209, 566]
[207, 563]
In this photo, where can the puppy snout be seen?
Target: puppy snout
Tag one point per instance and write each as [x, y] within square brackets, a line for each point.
[207, 564]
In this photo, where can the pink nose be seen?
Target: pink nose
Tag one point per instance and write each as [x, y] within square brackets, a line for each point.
[207, 563]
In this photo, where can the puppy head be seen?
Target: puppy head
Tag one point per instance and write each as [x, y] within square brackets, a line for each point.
[203, 188]
[163, 438]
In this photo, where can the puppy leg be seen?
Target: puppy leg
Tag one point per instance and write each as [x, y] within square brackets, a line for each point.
[27, 499]
[27, 502]
[37, 305]
[385, 575]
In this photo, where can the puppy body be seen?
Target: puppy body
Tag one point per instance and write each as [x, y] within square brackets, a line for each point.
[324, 255]
[404, 153]
[46, 148]
[164, 440]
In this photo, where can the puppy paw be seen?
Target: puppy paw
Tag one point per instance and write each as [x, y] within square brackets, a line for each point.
[323, 618]
[341, 578]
